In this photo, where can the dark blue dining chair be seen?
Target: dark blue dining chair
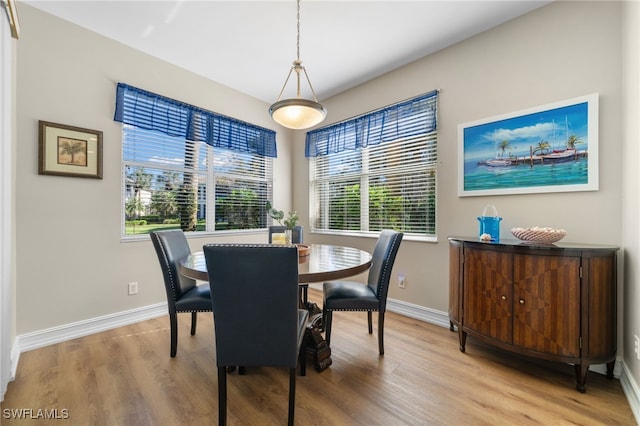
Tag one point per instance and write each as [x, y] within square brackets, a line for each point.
[254, 296]
[183, 295]
[370, 297]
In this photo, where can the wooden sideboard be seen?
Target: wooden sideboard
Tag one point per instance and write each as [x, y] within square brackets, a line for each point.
[551, 301]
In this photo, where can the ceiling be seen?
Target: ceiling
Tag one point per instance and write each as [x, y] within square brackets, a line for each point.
[250, 45]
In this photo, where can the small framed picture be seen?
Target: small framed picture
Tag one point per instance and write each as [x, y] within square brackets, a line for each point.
[69, 151]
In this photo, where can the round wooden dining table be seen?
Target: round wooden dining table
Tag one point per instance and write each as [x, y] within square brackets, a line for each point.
[322, 262]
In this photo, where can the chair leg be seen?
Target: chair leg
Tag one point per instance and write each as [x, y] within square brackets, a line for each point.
[322, 325]
[194, 321]
[327, 317]
[302, 360]
[292, 394]
[303, 293]
[222, 396]
[369, 320]
[381, 332]
[173, 325]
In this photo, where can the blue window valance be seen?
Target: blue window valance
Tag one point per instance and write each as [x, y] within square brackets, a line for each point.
[415, 116]
[150, 111]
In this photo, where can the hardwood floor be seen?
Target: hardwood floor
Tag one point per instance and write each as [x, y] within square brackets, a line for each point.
[126, 377]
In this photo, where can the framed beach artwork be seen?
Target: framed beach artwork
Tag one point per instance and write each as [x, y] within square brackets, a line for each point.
[549, 148]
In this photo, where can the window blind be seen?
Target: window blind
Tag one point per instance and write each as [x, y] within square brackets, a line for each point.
[416, 116]
[149, 111]
[390, 185]
[167, 180]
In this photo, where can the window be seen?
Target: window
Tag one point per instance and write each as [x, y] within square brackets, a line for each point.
[170, 182]
[173, 181]
[387, 181]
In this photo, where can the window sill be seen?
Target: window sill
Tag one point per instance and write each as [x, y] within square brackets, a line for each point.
[193, 235]
[362, 234]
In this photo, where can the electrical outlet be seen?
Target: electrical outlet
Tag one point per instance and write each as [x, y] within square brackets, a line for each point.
[636, 345]
[133, 288]
[401, 281]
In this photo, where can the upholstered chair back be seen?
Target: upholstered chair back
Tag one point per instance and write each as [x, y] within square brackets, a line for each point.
[171, 246]
[254, 294]
[382, 260]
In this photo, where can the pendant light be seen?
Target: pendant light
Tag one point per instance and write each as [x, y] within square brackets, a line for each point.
[297, 113]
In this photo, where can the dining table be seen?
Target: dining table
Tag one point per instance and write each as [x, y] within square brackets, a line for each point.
[316, 263]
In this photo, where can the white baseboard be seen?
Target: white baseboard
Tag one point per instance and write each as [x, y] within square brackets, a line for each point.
[410, 310]
[631, 390]
[418, 312]
[50, 336]
[602, 368]
[37, 339]
[15, 357]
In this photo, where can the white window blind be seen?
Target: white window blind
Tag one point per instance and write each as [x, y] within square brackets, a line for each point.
[390, 184]
[170, 182]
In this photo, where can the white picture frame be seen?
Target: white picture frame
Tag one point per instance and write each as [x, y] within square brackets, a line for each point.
[548, 148]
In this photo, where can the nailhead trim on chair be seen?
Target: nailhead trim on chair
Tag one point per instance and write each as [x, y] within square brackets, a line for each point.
[354, 310]
[173, 279]
[166, 262]
[243, 245]
[386, 266]
[199, 310]
[251, 245]
[384, 270]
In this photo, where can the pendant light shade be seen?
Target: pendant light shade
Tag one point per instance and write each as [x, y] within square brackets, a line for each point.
[297, 113]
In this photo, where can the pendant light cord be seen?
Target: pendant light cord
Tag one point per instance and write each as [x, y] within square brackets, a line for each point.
[297, 64]
[298, 28]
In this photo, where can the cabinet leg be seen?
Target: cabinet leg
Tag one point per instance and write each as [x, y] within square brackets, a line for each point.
[581, 377]
[610, 366]
[463, 339]
[451, 326]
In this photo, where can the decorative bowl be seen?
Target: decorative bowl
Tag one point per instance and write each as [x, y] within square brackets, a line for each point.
[303, 250]
[539, 235]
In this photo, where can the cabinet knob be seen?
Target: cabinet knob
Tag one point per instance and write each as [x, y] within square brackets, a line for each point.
[522, 301]
[504, 297]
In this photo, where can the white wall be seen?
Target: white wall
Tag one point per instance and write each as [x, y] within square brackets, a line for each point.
[631, 200]
[71, 263]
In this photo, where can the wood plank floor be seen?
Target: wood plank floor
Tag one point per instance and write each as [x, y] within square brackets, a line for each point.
[126, 377]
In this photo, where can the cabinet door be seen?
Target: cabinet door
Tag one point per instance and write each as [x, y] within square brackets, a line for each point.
[546, 314]
[455, 253]
[487, 294]
[599, 276]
